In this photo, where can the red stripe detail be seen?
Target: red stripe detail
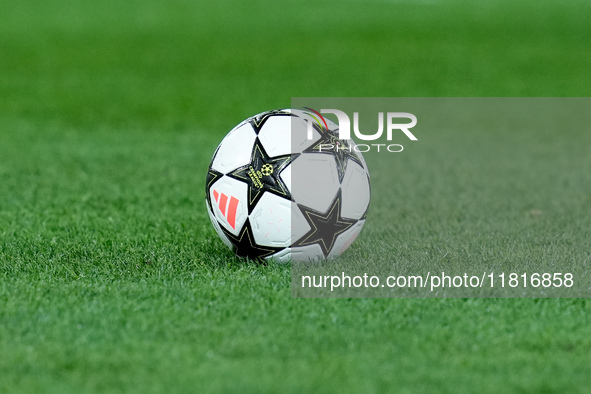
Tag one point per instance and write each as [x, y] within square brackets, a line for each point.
[321, 117]
[223, 201]
[232, 212]
[216, 195]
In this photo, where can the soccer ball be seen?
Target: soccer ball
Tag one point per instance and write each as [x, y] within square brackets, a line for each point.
[282, 186]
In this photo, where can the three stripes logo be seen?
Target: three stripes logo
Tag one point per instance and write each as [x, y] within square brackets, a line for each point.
[227, 207]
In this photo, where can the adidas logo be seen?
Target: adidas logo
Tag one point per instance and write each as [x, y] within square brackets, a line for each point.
[227, 208]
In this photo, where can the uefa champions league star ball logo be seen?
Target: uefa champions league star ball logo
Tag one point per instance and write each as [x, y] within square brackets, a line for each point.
[272, 193]
[267, 169]
[257, 176]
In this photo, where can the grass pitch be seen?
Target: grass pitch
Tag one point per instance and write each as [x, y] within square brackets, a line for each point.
[111, 277]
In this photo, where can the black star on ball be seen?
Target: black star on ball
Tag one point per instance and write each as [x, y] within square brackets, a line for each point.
[262, 175]
[212, 176]
[341, 150]
[245, 245]
[259, 120]
[324, 227]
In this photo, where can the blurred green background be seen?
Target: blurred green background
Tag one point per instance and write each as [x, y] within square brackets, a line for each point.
[111, 276]
[188, 63]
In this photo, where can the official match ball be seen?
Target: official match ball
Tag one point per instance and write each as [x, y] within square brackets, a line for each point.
[282, 186]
